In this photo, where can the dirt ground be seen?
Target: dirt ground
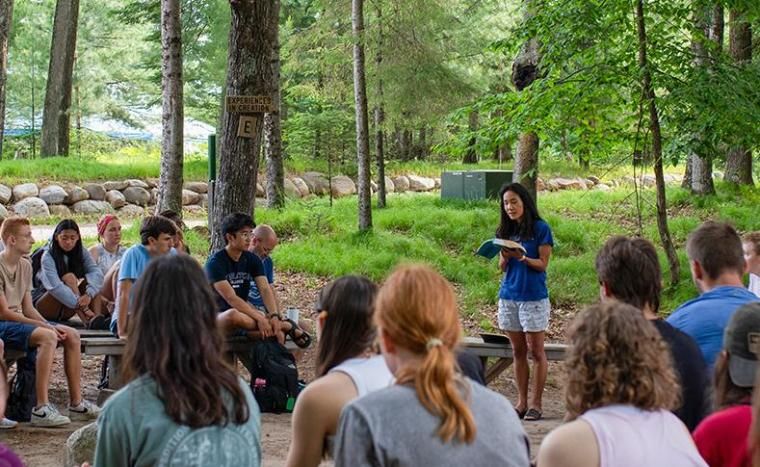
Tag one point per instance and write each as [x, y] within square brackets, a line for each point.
[40, 447]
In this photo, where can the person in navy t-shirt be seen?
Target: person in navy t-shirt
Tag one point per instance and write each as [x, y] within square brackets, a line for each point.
[523, 297]
[717, 265]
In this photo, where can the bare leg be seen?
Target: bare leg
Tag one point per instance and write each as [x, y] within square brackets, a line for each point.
[233, 319]
[540, 368]
[522, 371]
[72, 363]
[45, 340]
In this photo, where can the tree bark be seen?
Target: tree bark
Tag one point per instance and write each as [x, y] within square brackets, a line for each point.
[380, 113]
[172, 118]
[654, 126]
[739, 159]
[252, 39]
[56, 114]
[6, 19]
[471, 156]
[362, 130]
[273, 128]
[422, 144]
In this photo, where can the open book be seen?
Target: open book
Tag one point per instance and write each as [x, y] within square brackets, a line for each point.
[491, 248]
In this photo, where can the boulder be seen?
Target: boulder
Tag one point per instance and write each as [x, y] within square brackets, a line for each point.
[552, 185]
[137, 195]
[80, 447]
[153, 195]
[5, 194]
[53, 194]
[648, 180]
[204, 201]
[437, 181]
[115, 185]
[59, 210]
[342, 186]
[717, 175]
[316, 182]
[627, 180]
[260, 193]
[152, 182]
[96, 191]
[193, 209]
[137, 183]
[373, 186]
[291, 191]
[302, 187]
[25, 190]
[76, 193]
[131, 210]
[570, 184]
[116, 199]
[90, 206]
[31, 207]
[198, 187]
[401, 184]
[389, 186]
[190, 197]
[540, 184]
[3, 212]
[589, 183]
[594, 179]
[602, 187]
[417, 183]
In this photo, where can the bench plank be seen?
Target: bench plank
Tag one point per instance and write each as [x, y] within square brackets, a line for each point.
[503, 354]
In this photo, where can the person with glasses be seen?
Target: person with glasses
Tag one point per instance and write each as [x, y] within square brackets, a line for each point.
[231, 271]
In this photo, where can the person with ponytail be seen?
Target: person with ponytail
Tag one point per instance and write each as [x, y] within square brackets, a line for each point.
[432, 415]
[67, 280]
[348, 366]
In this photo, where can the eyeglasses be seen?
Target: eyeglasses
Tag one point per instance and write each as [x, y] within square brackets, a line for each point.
[245, 233]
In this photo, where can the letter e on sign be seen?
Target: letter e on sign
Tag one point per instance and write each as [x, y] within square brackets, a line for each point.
[247, 126]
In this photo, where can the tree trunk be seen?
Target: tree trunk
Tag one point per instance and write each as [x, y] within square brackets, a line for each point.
[654, 127]
[6, 19]
[56, 114]
[362, 130]
[406, 145]
[273, 128]
[380, 113]
[172, 119]
[739, 159]
[252, 40]
[524, 72]
[471, 156]
[687, 174]
[422, 144]
[717, 26]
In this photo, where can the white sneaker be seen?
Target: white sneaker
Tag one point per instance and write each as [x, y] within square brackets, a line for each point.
[47, 415]
[86, 410]
[7, 424]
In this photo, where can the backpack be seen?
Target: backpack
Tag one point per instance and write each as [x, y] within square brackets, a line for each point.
[274, 376]
[36, 259]
[23, 396]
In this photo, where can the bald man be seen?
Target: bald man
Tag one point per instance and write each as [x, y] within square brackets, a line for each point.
[263, 242]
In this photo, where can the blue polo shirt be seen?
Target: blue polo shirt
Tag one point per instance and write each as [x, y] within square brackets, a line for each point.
[254, 296]
[522, 283]
[705, 317]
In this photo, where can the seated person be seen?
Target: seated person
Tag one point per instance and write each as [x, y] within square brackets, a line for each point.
[347, 367]
[179, 237]
[432, 415]
[107, 253]
[67, 281]
[717, 267]
[5, 424]
[620, 390]
[629, 270]
[182, 404]
[23, 328]
[155, 240]
[751, 246]
[722, 437]
[231, 271]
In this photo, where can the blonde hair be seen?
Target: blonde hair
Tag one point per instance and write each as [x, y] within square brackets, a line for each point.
[416, 308]
[11, 226]
[617, 357]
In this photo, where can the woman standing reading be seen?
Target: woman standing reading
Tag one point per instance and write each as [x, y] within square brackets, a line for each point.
[523, 297]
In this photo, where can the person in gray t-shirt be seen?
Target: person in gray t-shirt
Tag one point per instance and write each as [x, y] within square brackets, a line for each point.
[431, 416]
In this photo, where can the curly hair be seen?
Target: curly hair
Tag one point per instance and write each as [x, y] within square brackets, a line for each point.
[617, 357]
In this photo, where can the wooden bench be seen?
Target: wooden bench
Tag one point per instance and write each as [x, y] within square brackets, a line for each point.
[503, 354]
[11, 355]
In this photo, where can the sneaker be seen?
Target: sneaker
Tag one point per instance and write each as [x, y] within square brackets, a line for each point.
[86, 410]
[6, 424]
[47, 415]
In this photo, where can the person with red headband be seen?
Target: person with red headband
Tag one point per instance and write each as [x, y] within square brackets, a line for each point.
[107, 255]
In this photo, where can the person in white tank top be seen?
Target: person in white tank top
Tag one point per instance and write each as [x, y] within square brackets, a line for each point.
[347, 367]
[751, 247]
[620, 389]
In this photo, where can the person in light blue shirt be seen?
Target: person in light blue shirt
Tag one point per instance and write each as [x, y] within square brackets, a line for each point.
[717, 264]
[156, 238]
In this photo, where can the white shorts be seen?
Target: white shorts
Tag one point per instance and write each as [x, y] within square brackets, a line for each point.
[530, 316]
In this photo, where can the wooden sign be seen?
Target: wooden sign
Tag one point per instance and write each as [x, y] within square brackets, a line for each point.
[247, 126]
[249, 104]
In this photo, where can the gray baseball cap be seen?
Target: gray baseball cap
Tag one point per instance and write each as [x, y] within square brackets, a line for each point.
[742, 341]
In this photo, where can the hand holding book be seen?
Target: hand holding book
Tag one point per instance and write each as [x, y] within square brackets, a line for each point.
[490, 248]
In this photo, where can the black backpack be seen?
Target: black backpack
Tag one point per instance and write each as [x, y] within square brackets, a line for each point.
[23, 396]
[274, 376]
[36, 260]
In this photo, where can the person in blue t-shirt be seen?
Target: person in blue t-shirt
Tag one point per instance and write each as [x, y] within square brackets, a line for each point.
[231, 271]
[263, 242]
[717, 266]
[156, 238]
[523, 297]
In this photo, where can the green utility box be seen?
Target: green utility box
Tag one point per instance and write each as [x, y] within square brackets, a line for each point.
[473, 185]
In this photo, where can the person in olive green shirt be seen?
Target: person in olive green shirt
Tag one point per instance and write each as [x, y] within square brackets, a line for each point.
[183, 404]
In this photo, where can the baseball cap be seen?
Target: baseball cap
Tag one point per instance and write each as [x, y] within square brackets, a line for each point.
[742, 341]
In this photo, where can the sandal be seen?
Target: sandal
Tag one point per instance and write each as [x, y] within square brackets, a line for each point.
[533, 415]
[303, 340]
[520, 413]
